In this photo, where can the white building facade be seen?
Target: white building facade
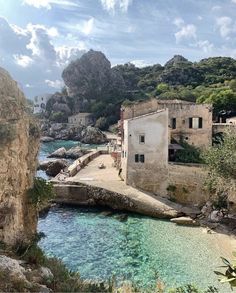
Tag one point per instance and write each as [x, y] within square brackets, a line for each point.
[40, 103]
[144, 158]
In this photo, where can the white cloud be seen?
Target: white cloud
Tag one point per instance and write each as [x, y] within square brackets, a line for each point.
[206, 46]
[29, 53]
[65, 54]
[23, 60]
[57, 84]
[47, 4]
[179, 22]
[216, 8]
[140, 63]
[234, 1]
[112, 5]
[87, 27]
[187, 31]
[226, 26]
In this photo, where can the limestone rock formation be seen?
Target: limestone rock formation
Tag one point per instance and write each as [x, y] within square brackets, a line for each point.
[19, 143]
[91, 77]
[90, 135]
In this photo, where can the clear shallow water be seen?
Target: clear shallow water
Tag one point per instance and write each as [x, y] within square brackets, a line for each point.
[139, 249]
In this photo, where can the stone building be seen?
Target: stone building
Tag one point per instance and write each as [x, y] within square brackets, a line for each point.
[188, 121]
[144, 159]
[84, 119]
[40, 103]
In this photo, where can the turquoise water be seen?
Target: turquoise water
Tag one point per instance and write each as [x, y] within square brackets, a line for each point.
[138, 249]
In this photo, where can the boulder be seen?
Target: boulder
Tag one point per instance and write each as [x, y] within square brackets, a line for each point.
[207, 209]
[215, 216]
[75, 153]
[11, 268]
[93, 135]
[184, 221]
[59, 153]
[46, 139]
[44, 165]
[55, 167]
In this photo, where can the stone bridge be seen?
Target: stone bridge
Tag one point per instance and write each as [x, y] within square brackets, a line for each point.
[223, 128]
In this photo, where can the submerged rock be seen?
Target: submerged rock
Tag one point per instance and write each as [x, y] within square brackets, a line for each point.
[184, 221]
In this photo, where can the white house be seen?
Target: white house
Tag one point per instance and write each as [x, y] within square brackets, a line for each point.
[144, 158]
[40, 103]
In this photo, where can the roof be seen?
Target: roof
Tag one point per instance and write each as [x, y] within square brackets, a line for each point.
[81, 115]
[175, 146]
[148, 114]
[176, 101]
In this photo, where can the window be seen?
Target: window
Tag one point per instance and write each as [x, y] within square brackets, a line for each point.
[173, 123]
[139, 158]
[141, 138]
[195, 122]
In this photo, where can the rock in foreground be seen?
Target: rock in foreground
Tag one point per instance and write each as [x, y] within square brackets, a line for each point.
[184, 221]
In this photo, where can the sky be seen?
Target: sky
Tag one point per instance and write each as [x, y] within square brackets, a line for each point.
[38, 38]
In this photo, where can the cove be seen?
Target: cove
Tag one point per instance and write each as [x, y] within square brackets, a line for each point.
[139, 249]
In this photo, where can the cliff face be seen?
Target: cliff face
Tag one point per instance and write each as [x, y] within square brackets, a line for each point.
[19, 142]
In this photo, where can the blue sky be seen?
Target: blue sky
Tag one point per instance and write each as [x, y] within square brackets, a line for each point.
[38, 38]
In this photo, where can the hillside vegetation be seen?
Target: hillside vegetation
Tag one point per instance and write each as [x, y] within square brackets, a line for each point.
[92, 85]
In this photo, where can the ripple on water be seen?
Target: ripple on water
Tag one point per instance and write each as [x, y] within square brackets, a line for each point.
[139, 249]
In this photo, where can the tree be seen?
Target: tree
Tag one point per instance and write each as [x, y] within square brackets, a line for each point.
[221, 164]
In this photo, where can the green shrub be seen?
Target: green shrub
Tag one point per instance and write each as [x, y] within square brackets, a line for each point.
[190, 154]
[171, 188]
[7, 132]
[41, 192]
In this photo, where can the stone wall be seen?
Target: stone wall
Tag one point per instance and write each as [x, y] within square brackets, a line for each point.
[19, 142]
[186, 184]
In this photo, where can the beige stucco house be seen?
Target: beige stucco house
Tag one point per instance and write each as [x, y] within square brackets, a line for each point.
[84, 119]
[187, 121]
[144, 158]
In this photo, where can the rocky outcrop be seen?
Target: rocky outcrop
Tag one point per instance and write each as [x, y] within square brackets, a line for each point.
[52, 168]
[64, 131]
[91, 77]
[73, 153]
[92, 135]
[19, 142]
[16, 278]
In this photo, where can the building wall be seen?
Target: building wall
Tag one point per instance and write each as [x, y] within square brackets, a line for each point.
[186, 184]
[40, 103]
[81, 119]
[200, 137]
[153, 173]
[181, 111]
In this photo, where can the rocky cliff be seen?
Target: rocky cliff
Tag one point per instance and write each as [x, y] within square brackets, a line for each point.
[19, 142]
